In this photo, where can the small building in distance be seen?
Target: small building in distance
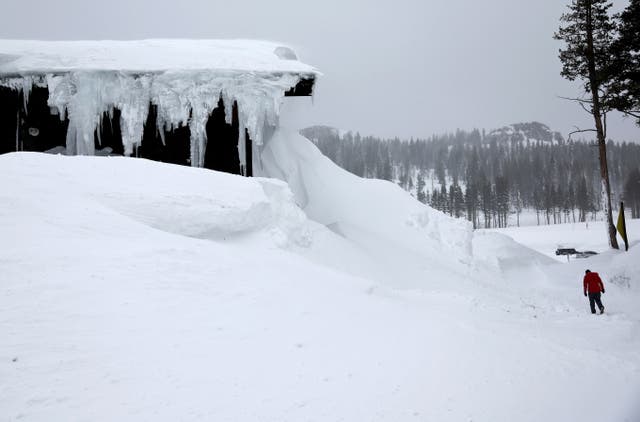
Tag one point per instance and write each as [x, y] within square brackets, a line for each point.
[203, 103]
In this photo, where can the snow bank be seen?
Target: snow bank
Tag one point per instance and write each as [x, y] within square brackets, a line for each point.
[136, 290]
[504, 254]
[416, 243]
[624, 268]
[183, 78]
[173, 199]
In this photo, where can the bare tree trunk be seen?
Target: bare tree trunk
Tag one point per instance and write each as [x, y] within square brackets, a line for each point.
[597, 117]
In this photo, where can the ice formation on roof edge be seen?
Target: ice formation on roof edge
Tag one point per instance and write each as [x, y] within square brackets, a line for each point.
[180, 97]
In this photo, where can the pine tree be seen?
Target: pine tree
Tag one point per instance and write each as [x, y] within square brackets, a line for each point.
[632, 193]
[434, 201]
[440, 172]
[471, 203]
[456, 198]
[518, 204]
[502, 200]
[420, 195]
[444, 200]
[384, 167]
[583, 200]
[588, 34]
[625, 67]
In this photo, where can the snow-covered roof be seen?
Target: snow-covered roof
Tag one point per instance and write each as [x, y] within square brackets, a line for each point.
[159, 55]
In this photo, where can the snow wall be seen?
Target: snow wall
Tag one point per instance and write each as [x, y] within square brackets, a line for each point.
[406, 240]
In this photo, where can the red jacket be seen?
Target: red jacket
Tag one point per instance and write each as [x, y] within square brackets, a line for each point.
[592, 283]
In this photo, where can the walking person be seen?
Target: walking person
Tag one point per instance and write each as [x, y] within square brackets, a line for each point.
[594, 287]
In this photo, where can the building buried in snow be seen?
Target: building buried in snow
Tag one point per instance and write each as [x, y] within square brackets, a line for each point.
[204, 103]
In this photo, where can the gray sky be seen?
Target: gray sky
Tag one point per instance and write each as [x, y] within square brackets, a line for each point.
[391, 67]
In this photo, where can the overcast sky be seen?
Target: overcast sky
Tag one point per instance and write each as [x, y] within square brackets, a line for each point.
[391, 67]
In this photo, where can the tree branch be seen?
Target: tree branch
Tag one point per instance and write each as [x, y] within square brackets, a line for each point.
[578, 130]
[579, 100]
[584, 107]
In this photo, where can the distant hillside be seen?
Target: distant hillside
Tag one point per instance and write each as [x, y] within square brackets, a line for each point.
[488, 176]
[517, 132]
[320, 132]
[523, 132]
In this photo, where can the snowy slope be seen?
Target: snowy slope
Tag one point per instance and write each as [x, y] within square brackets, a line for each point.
[377, 215]
[134, 290]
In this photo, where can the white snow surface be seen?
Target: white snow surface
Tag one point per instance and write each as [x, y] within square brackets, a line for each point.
[384, 220]
[585, 236]
[142, 56]
[147, 291]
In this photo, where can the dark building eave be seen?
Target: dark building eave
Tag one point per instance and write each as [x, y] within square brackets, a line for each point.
[304, 88]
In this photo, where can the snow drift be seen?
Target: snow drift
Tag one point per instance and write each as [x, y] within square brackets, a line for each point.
[174, 199]
[394, 229]
[132, 289]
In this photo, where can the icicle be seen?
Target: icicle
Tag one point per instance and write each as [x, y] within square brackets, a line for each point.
[162, 134]
[181, 98]
[242, 150]
[99, 132]
[18, 131]
[132, 98]
[85, 111]
[27, 86]
[228, 107]
[59, 94]
[71, 140]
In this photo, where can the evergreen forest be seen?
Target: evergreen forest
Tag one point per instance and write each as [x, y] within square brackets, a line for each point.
[491, 178]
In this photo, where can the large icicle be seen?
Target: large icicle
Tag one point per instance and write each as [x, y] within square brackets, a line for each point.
[181, 97]
[133, 102]
[191, 100]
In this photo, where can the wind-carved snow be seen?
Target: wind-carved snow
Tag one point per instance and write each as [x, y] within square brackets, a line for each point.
[354, 209]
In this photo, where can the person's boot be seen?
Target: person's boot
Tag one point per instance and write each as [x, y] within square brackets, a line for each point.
[602, 310]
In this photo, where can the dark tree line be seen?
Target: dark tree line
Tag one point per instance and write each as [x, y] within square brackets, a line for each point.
[488, 177]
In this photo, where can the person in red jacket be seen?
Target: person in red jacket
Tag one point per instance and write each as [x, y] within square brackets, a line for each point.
[593, 286]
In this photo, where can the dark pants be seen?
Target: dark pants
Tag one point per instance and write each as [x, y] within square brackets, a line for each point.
[594, 298]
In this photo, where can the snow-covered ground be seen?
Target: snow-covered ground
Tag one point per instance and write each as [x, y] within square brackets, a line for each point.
[587, 236]
[134, 290]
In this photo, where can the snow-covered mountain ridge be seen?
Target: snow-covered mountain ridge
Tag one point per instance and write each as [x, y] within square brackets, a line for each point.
[516, 132]
[525, 132]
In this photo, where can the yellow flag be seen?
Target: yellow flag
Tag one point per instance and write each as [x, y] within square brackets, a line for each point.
[622, 227]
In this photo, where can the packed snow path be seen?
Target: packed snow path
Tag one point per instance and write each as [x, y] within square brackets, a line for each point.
[135, 290]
